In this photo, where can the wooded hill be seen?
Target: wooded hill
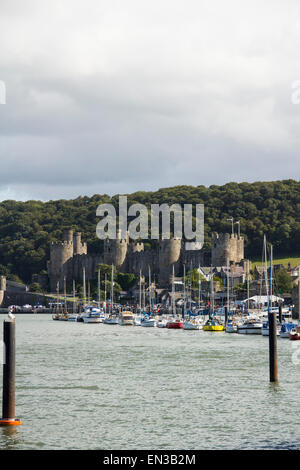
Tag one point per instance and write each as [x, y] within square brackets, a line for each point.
[273, 208]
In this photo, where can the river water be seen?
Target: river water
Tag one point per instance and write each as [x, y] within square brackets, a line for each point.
[84, 386]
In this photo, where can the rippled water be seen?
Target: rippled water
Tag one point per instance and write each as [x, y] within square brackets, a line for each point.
[83, 386]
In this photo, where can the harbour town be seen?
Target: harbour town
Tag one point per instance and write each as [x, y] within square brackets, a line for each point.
[164, 312]
[149, 231]
[168, 286]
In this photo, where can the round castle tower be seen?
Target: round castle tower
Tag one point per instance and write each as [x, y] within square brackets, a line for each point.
[169, 254]
[115, 251]
[60, 253]
[78, 247]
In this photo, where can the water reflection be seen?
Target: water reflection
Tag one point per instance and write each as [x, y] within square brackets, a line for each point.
[9, 437]
[167, 388]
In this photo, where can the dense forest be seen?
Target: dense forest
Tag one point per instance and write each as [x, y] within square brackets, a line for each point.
[273, 208]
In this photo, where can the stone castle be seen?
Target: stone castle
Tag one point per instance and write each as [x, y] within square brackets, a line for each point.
[70, 256]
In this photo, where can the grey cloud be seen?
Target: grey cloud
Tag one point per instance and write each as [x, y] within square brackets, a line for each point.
[106, 97]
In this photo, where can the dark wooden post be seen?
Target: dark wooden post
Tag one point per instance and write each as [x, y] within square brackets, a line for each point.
[273, 347]
[8, 394]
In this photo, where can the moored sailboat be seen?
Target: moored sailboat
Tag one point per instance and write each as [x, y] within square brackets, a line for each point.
[92, 315]
[212, 324]
[192, 324]
[175, 322]
[286, 329]
[295, 333]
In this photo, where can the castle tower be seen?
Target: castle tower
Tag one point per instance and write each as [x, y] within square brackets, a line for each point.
[2, 288]
[79, 248]
[68, 236]
[60, 253]
[169, 254]
[226, 247]
[115, 251]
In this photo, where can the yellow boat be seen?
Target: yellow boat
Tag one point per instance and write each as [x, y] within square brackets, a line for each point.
[212, 325]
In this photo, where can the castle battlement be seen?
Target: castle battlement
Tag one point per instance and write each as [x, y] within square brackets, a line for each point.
[64, 243]
[226, 236]
[226, 248]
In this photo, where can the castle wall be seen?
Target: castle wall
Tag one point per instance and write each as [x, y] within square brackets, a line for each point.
[141, 261]
[89, 262]
[195, 258]
[68, 258]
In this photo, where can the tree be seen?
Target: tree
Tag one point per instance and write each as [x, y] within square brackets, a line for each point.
[126, 280]
[270, 208]
[35, 287]
[283, 281]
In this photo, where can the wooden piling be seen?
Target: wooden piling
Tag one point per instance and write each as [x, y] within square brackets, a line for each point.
[8, 394]
[273, 347]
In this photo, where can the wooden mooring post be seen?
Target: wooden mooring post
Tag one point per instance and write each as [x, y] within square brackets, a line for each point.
[9, 364]
[273, 362]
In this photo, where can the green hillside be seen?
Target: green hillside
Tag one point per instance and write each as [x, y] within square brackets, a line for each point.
[273, 208]
[293, 261]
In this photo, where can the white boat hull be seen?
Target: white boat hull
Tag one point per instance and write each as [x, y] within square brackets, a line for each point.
[231, 329]
[125, 322]
[110, 321]
[148, 323]
[265, 331]
[73, 318]
[249, 331]
[191, 326]
[284, 334]
[92, 320]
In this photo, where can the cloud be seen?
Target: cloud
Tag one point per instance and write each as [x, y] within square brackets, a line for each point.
[114, 96]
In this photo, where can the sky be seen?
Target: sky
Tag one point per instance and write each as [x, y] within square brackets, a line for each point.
[114, 96]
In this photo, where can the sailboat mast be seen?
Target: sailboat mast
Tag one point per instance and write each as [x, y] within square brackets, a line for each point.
[112, 287]
[271, 276]
[99, 292]
[228, 288]
[140, 293]
[191, 278]
[266, 267]
[212, 301]
[84, 289]
[105, 282]
[184, 300]
[173, 291]
[65, 294]
[199, 287]
[248, 286]
[150, 290]
[73, 296]
[57, 297]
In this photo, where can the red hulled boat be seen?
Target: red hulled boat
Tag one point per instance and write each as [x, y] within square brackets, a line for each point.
[175, 324]
[295, 334]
